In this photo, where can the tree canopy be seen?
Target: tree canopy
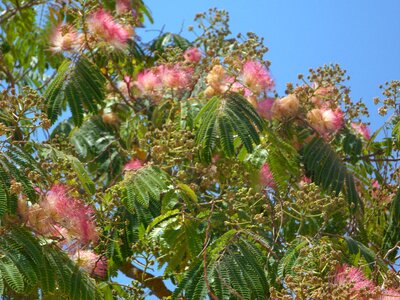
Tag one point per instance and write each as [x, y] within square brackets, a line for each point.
[178, 160]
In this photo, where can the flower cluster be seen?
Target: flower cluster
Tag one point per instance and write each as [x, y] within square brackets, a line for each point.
[192, 55]
[362, 130]
[285, 107]
[256, 77]
[122, 6]
[325, 121]
[63, 218]
[101, 28]
[252, 80]
[154, 81]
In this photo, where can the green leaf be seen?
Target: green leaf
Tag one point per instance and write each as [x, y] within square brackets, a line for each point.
[356, 247]
[188, 191]
[3, 201]
[326, 169]
[78, 83]
[144, 185]
[286, 263]
[392, 231]
[76, 165]
[223, 119]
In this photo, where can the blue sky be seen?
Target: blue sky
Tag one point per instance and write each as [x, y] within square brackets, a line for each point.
[360, 35]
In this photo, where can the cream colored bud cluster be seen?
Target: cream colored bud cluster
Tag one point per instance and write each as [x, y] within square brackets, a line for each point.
[309, 202]
[391, 100]
[311, 272]
[22, 114]
[170, 147]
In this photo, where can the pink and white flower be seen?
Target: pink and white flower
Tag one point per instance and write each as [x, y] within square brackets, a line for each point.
[122, 6]
[325, 121]
[264, 108]
[266, 177]
[148, 82]
[323, 96]
[362, 129]
[65, 38]
[70, 213]
[359, 284]
[256, 77]
[102, 25]
[174, 77]
[92, 263]
[133, 165]
[218, 81]
[192, 55]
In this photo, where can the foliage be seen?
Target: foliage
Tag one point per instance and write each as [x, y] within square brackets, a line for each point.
[177, 160]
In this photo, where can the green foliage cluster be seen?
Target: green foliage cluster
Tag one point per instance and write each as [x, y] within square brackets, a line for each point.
[175, 178]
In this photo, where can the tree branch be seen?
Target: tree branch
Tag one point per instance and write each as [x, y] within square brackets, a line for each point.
[9, 13]
[155, 284]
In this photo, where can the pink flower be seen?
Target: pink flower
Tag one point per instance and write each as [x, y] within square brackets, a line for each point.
[256, 76]
[333, 119]
[234, 86]
[133, 164]
[264, 108]
[266, 177]
[81, 224]
[65, 38]
[389, 295]
[216, 158]
[148, 82]
[102, 25]
[56, 201]
[122, 6]
[359, 283]
[325, 121]
[375, 184]
[175, 77]
[192, 55]
[70, 213]
[91, 262]
[361, 129]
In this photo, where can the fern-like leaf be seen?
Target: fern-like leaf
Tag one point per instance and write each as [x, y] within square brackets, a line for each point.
[78, 83]
[235, 269]
[392, 232]
[76, 165]
[224, 119]
[326, 169]
[145, 184]
[286, 263]
[26, 265]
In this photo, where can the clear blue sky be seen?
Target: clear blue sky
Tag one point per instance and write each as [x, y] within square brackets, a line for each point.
[363, 36]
